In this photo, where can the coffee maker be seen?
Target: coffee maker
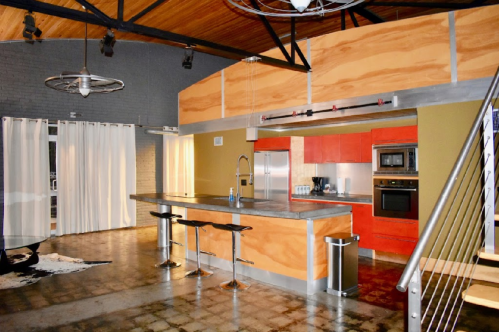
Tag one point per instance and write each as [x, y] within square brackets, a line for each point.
[317, 184]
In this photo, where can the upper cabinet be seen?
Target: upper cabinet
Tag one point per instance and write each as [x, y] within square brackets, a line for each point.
[330, 149]
[313, 149]
[201, 101]
[394, 135]
[350, 148]
[272, 144]
[366, 148]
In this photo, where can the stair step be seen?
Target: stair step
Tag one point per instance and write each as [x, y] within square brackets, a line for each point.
[489, 255]
[482, 295]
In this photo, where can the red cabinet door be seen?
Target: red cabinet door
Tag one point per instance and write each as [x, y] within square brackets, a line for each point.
[272, 144]
[350, 148]
[331, 148]
[408, 134]
[313, 149]
[366, 148]
[362, 224]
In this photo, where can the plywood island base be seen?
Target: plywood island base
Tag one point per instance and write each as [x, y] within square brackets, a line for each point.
[290, 253]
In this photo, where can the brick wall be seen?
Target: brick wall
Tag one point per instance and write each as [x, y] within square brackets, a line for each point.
[153, 76]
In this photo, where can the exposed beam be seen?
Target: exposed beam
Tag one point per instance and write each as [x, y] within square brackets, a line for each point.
[94, 10]
[275, 37]
[343, 20]
[80, 16]
[146, 11]
[366, 13]
[353, 18]
[121, 6]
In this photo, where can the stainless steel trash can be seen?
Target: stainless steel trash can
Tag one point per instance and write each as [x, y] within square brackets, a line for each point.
[343, 262]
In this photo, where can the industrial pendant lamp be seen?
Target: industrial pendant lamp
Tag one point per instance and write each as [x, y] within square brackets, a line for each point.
[83, 82]
[293, 8]
[300, 5]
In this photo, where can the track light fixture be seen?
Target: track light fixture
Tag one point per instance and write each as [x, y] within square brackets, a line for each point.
[29, 27]
[188, 57]
[107, 43]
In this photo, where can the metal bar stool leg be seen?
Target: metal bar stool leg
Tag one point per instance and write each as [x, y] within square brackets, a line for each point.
[199, 272]
[168, 263]
[234, 284]
[166, 219]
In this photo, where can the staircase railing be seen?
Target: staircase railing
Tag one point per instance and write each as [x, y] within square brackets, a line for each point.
[437, 283]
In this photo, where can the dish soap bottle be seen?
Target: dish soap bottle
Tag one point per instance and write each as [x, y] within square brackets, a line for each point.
[231, 195]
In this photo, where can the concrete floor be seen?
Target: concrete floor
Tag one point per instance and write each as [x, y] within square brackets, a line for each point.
[130, 294]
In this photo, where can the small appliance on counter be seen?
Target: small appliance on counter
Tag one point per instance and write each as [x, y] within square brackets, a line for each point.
[318, 185]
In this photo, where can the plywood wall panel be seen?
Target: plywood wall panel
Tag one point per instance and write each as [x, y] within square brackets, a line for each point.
[301, 173]
[381, 58]
[213, 240]
[273, 87]
[477, 42]
[201, 101]
[276, 245]
[326, 227]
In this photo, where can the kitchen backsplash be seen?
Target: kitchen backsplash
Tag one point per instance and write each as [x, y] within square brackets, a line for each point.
[357, 177]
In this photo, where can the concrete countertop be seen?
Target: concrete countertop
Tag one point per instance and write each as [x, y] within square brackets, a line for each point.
[287, 210]
[350, 198]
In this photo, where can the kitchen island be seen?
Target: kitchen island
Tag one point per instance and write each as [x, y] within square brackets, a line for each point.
[286, 242]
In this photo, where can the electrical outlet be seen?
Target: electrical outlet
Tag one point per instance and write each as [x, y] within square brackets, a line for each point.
[243, 182]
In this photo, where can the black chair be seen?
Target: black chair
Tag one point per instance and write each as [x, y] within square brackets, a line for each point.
[199, 272]
[234, 284]
[168, 263]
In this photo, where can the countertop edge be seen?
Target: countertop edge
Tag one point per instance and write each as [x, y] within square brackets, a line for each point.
[325, 212]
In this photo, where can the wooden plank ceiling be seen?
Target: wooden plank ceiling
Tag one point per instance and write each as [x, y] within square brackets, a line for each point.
[216, 22]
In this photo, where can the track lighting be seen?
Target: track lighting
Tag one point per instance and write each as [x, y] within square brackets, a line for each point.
[29, 27]
[188, 57]
[107, 43]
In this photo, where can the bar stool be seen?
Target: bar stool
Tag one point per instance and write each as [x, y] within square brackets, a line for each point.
[168, 263]
[199, 272]
[234, 284]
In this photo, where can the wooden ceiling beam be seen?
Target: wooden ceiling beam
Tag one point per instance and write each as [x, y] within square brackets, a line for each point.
[104, 20]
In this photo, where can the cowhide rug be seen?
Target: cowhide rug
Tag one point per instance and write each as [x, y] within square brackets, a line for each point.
[48, 265]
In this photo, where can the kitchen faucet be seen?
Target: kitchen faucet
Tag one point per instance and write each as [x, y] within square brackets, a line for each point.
[238, 195]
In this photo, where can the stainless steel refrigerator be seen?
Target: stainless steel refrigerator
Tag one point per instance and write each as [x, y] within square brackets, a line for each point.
[271, 175]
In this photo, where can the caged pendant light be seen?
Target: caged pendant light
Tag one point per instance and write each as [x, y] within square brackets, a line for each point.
[83, 82]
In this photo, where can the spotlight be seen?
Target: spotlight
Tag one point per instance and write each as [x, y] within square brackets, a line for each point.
[29, 27]
[188, 57]
[107, 43]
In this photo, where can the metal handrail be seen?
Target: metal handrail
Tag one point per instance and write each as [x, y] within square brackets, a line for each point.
[413, 262]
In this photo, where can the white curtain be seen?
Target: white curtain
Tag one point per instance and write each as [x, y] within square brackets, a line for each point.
[178, 164]
[95, 177]
[26, 177]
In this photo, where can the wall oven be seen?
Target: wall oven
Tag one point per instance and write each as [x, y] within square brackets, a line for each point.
[396, 198]
[396, 159]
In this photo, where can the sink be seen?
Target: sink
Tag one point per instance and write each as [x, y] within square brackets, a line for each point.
[244, 199]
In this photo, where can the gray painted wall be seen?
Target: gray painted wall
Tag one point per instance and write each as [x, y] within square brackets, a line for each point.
[153, 77]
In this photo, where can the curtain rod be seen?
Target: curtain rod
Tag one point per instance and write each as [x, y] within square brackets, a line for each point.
[92, 123]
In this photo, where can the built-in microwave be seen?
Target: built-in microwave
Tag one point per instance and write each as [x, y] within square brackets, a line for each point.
[396, 159]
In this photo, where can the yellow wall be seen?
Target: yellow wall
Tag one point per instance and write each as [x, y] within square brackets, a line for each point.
[442, 131]
[215, 166]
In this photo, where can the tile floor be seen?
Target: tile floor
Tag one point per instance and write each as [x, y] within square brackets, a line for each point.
[131, 295]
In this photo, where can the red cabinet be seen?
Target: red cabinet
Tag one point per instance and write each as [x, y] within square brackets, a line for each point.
[350, 148]
[362, 224]
[366, 148]
[331, 149]
[272, 144]
[313, 149]
[398, 236]
[408, 134]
